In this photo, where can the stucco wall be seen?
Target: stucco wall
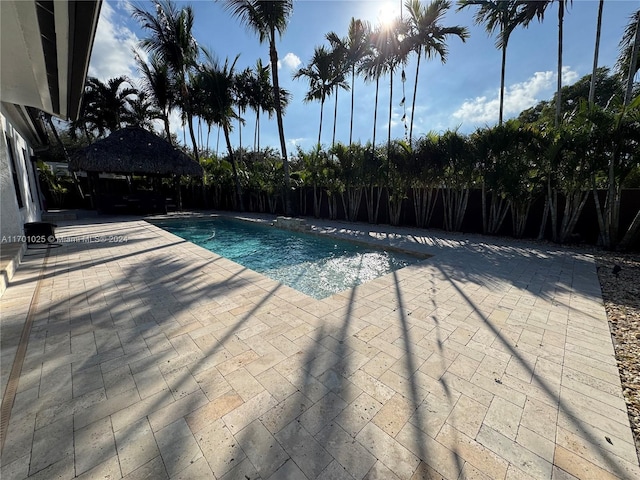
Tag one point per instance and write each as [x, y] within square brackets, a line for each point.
[13, 218]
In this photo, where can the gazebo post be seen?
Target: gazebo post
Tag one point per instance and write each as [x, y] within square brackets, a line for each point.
[176, 182]
[94, 181]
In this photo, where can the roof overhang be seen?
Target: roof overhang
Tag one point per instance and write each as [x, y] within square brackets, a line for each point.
[45, 51]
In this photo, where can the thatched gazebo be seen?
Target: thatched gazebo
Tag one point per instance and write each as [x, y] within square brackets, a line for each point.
[133, 151]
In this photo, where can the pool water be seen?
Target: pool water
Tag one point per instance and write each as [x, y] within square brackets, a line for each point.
[316, 266]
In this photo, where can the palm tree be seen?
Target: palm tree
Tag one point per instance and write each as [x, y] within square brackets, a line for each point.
[243, 84]
[171, 40]
[592, 87]
[372, 67]
[536, 8]
[319, 74]
[215, 84]
[266, 17]
[108, 102]
[355, 47]
[157, 84]
[324, 75]
[392, 43]
[261, 94]
[141, 111]
[504, 15]
[428, 36]
[340, 68]
[628, 64]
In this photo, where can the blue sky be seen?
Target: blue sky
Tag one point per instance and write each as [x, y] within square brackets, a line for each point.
[463, 93]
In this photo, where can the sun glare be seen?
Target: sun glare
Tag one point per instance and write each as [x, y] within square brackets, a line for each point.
[387, 13]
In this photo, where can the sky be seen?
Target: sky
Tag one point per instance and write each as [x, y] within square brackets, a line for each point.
[463, 93]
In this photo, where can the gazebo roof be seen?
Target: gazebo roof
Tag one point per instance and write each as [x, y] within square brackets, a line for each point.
[134, 150]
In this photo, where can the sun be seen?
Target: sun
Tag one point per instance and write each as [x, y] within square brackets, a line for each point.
[388, 13]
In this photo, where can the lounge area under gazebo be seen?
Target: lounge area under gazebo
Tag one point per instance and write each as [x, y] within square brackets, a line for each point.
[129, 152]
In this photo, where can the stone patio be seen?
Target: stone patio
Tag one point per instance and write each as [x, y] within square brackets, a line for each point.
[154, 358]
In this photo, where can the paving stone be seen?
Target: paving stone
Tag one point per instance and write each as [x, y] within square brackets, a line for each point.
[380, 472]
[503, 417]
[93, 444]
[322, 412]
[521, 457]
[178, 447]
[136, 446]
[212, 411]
[262, 449]
[389, 451]
[154, 469]
[350, 455]
[52, 444]
[107, 469]
[179, 408]
[303, 449]
[288, 471]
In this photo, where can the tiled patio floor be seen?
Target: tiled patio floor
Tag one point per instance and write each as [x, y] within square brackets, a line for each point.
[157, 359]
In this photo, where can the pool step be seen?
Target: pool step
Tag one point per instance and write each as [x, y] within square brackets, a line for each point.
[10, 257]
[58, 215]
[290, 223]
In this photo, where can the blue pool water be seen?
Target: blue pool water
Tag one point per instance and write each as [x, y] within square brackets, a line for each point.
[316, 266]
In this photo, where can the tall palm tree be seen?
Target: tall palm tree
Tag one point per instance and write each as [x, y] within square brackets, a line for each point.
[536, 8]
[628, 64]
[171, 40]
[324, 75]
[266, 17]
[372, 67]
[592, 86]
[243, 84]
[216, 84]
[318, 73]
[427, 35]
[392, 42]
[158, 85]
[261, 96]
[504, 15]
[355, 48]
[340, 68]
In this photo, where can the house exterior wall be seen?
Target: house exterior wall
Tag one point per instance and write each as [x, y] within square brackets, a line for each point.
[12, 216]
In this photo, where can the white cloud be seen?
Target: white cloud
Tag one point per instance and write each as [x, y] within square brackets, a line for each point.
[517, 97]
[112, 54]
[290, 60]
[568, 76]
[294, 142]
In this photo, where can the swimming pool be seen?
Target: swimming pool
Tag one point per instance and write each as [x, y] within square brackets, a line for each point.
[316, 266]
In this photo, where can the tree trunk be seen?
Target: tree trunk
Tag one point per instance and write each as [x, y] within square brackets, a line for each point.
[273, 54]
[503, 70]
[193, 137]
[234, 168]
[415, 91]
[335, 119]
[167, 130]
[375, 114]
[592, 86]
[560, 31]
[633, 65]
[389, 129]
[353, 85]
[545, 217]
[321, 112]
